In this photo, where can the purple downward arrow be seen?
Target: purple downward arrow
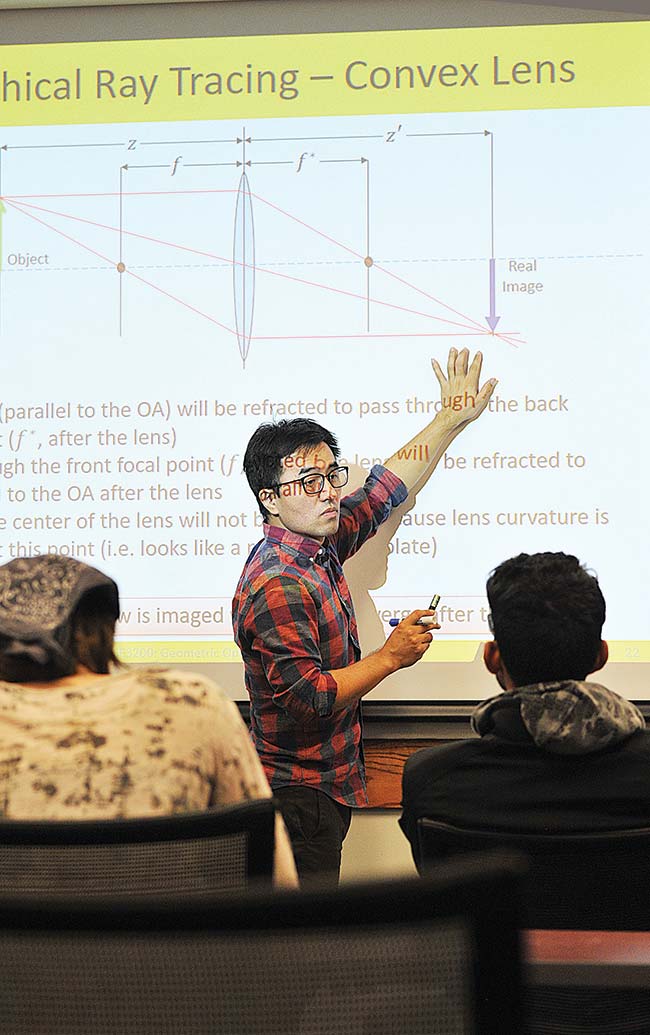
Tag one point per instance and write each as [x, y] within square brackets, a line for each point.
[492, 320]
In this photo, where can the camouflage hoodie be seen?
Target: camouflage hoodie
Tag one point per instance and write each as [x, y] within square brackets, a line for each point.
[567, 718]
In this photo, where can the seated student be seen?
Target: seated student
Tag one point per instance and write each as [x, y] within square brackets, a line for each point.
[556, 753]
[82, 738]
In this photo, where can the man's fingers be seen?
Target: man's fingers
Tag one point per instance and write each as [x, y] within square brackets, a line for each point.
[475, 368]
[458, 366]
[438, 372]
[412, 619]
[451, 363]
[484, 396]
[461, 363]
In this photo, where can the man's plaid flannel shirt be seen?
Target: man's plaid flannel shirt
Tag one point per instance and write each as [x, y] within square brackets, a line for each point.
[294, 623]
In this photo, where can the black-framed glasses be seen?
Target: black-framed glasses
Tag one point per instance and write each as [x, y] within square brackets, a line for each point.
[312, 484]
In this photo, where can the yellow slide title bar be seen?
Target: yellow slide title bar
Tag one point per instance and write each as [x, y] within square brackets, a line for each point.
[361, 73]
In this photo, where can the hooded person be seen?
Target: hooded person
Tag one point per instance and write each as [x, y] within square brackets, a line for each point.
[555, 753]
[82, 737]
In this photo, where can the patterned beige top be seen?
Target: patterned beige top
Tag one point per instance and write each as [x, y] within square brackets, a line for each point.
[142, 742]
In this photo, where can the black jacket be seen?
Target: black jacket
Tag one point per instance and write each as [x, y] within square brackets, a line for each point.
[550, 758]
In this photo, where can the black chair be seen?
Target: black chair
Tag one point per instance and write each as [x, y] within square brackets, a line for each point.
[223, 849]
[575, 881]
[435, 956]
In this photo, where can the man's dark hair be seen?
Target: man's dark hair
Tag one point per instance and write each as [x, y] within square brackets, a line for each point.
[547, 617]
[270, 443]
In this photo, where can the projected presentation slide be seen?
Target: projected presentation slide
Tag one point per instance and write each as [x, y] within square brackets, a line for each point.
[201, 235]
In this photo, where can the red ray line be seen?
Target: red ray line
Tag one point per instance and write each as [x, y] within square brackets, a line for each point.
[125, 194]
[62, 233]
[362, 336]
[180, 301]
[136, 276]
[307, 226]
[426, 294]
[511, 337]
[263, 269]
[363, 298]
[358, 255]
[394, 334]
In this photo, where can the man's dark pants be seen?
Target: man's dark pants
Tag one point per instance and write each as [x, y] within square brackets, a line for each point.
[317, 826]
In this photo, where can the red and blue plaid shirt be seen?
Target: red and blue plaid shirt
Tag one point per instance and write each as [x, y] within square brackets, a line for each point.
[294, 623]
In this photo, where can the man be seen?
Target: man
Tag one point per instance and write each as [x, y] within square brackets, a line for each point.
[293, 616]
[556, 754]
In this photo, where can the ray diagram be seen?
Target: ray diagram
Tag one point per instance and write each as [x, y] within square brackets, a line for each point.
[101, 225]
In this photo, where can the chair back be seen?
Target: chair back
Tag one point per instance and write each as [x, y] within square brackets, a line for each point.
[223, 849]
[440, 955]
[588, 881]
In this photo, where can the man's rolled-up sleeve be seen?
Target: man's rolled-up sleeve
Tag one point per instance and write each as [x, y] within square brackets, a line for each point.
[285, 618]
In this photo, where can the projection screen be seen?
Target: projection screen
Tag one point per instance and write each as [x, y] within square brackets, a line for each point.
[213, 215]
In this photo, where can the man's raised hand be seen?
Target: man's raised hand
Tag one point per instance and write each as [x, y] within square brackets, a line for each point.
[463, 400]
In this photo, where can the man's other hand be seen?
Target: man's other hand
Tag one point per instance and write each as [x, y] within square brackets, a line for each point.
[409, 641]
